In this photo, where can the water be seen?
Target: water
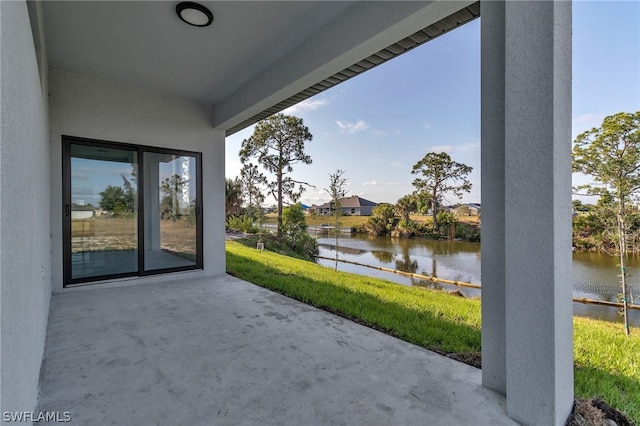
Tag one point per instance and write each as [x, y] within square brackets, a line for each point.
[594, 274]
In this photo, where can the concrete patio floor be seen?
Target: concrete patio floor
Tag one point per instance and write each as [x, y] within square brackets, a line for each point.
[226, 352]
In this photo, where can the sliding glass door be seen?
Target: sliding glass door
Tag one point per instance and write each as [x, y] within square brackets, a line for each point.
[129, 210]
[170, 211]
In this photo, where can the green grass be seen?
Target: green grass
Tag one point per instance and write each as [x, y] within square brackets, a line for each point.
[607, 362]
[412, 314]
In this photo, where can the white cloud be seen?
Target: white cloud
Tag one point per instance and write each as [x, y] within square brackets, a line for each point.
[441, 148]
[427, 126]
[376, 183]
[471, 146]
[315, 199]
[378, 133]
[311, 104]
[396, 164]
[350, 128]
[589, 117]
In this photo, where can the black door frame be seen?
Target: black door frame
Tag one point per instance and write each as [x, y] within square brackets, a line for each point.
[67, 141]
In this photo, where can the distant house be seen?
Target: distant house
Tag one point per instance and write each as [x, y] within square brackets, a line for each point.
[82, 212]
[469, 209]
[351, 206]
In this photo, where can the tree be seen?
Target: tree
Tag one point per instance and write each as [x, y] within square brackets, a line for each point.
[119, 200]
[610, 154]
[129, 193]
[440, 175]
[277, 144]
[171, 188]
[252, 181]
[405, 206]
[233, 196]
[579, 206]
[294, 224]
[113, 199]
[405, 228]
[337, 191]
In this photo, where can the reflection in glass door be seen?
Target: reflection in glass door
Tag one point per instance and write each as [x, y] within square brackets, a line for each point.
[103, 212]
[170, 214]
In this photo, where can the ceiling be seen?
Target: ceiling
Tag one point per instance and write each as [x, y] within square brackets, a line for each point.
[255, 56]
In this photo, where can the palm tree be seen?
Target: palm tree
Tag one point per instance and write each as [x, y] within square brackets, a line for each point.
[233, 196]
[405, 206]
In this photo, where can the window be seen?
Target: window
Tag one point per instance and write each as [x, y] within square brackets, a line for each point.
[129, 210]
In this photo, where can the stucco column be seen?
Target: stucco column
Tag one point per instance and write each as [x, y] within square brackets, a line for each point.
[527, 333]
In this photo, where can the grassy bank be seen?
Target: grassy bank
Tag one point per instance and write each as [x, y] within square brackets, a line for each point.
[352, 221]
[607, 363]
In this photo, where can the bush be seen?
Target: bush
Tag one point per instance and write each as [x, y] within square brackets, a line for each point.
[404, 229]
[241, 224]
[383, 221]
[467, 232]
[446, 224]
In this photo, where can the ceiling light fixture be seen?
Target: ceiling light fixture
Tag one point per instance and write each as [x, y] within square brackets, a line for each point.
[194, 14]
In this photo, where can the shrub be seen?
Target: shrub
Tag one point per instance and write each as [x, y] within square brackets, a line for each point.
[241, 224]
[446, 224]
[467, 232]
[383, 221]
[404, 229]
[305, 249]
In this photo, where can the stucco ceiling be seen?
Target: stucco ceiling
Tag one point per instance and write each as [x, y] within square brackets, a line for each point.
[255, 55]
[144, 44]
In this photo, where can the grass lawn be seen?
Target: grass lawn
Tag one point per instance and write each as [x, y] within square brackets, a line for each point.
[607, 364]
[120, 233]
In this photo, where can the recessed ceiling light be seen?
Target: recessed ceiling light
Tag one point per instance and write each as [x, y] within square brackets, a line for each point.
[194, 14]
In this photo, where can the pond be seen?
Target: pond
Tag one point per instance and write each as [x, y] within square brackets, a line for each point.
[594, 274]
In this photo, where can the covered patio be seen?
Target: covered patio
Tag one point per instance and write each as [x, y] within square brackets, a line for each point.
[161, 345]
[226, 352]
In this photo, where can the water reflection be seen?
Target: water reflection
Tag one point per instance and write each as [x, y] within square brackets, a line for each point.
[383, 256]
[597, 274]
[594, 273]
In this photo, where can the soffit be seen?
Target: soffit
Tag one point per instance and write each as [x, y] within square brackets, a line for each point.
[143, 43]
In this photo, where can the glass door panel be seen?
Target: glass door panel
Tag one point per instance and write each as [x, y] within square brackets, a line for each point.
[170, 212]
[103, 212]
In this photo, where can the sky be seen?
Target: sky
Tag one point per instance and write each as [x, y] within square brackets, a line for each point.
[377, 125]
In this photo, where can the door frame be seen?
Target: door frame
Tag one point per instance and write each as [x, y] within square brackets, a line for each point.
[67, 141]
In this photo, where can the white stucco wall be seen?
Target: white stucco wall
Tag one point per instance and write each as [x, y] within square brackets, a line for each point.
[25, 288]
[91, 108]
[527, 333]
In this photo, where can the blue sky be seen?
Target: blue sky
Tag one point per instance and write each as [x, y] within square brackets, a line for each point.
[378, 125]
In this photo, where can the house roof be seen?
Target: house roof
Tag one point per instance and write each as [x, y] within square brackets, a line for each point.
[257, 57]
[470, 205]
[350, 202]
